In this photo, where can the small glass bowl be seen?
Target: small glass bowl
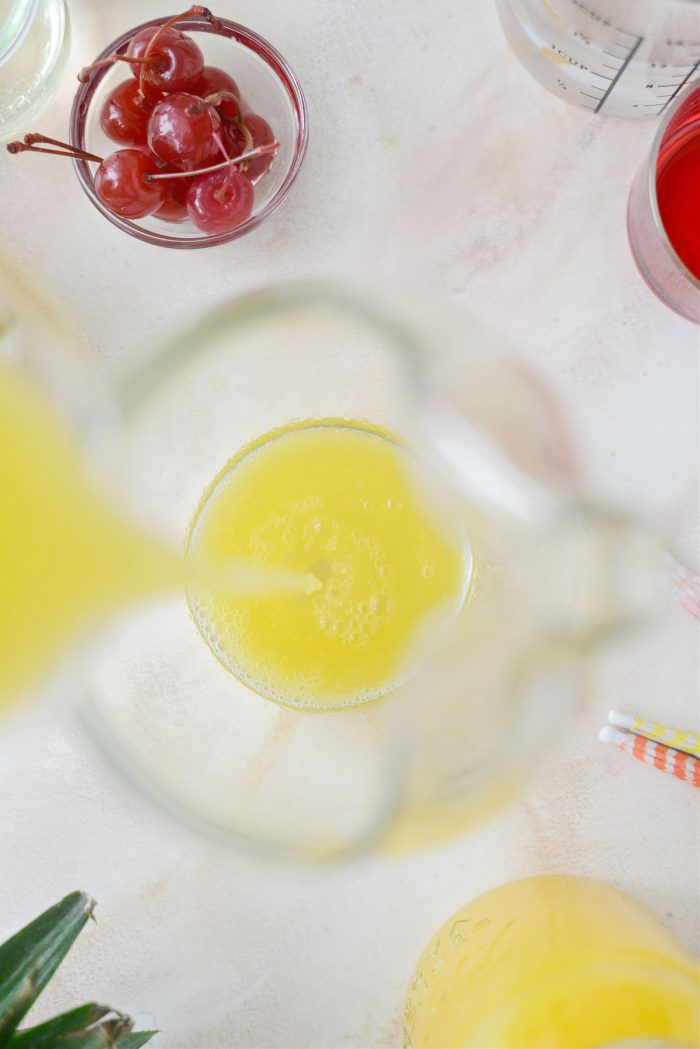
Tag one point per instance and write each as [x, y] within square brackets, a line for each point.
[269, 87]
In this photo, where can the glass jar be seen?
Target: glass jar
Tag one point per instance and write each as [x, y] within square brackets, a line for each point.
[34, 37]
[656, 257]
[553, 961]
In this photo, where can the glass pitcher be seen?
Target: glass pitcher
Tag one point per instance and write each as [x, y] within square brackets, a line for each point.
[549, 576]
[625, 58]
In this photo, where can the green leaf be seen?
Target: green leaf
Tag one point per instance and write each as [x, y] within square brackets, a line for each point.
[135, 1040]
[81, 1029]
[100, 1038]
[21, 1002]
[95, 1039]
[30, 958]
[45, 1035]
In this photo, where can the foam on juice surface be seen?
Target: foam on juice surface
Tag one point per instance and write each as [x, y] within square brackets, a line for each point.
[339, 501]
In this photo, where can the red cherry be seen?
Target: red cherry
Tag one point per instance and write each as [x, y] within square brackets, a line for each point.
[262, 135]
[175, 62]
[181, 130]
[235, 139]
[174, 206]
[220, 201]
[121, 186]
[125, 114]
[212, 79]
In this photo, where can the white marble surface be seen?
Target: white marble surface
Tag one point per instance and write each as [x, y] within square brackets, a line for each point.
[436, 160]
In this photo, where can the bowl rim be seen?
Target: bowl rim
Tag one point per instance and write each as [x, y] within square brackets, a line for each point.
[281, 70]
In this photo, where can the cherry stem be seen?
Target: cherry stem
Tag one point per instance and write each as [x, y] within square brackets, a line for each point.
[249, 144]
[220, 143]
[196, 11]
[259, 151]
[220, 192]
[225, 96]
[84, 74]
[30, 145]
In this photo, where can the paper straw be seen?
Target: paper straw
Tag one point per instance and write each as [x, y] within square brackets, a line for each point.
[666, 759]
[680, 738]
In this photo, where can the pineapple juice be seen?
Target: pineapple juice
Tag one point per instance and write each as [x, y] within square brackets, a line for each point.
[553, 963]
[338, 500]
[334, 567]
[66, 556]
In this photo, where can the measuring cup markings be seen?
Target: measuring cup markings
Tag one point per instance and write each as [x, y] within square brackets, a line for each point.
[612, 81]
[595, 62]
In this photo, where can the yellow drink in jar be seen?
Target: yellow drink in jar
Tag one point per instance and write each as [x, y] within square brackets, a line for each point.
[555, 962]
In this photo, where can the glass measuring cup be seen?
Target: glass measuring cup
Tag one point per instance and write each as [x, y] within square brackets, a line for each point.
[33, 54]
[551, 577]
[654, 252]
[625, 58]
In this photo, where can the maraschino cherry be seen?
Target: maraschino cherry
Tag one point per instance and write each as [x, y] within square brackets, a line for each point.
[220, 201]
[125, 114]
[193, 150]
[182, 130]
[122, 186]
[172, 60]
[130, 183]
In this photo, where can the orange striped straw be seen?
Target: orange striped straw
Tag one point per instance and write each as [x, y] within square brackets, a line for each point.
[666, 759]
[678, 738]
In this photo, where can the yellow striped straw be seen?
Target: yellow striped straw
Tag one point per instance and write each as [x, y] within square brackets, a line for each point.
[680, 738]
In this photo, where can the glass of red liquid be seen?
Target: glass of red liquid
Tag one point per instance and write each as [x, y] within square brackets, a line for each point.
[663, 215]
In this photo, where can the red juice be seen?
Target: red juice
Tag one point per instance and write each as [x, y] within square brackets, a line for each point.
[678, 194]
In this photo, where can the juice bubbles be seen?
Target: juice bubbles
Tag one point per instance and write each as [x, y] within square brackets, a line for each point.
[556, 962]
[338, 500]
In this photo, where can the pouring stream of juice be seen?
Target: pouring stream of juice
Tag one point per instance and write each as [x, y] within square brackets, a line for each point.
[68, 557]
[316, 570]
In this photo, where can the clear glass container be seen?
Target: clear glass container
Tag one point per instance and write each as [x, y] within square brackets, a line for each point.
[551, 578]
[551, 575]
[267, 83]
[34, 37]
[656, 258]
[553, 961]
[624, 58]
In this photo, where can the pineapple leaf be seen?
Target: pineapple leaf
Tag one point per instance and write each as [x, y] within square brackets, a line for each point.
[95, 1039]
[29, 959]
[135, 1040]
[46, 1035]
[82, 1028]
[13, 1015]
[99, 1038]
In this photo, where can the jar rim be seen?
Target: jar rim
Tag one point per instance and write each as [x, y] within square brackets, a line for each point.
[651, 176]
[16, 28]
